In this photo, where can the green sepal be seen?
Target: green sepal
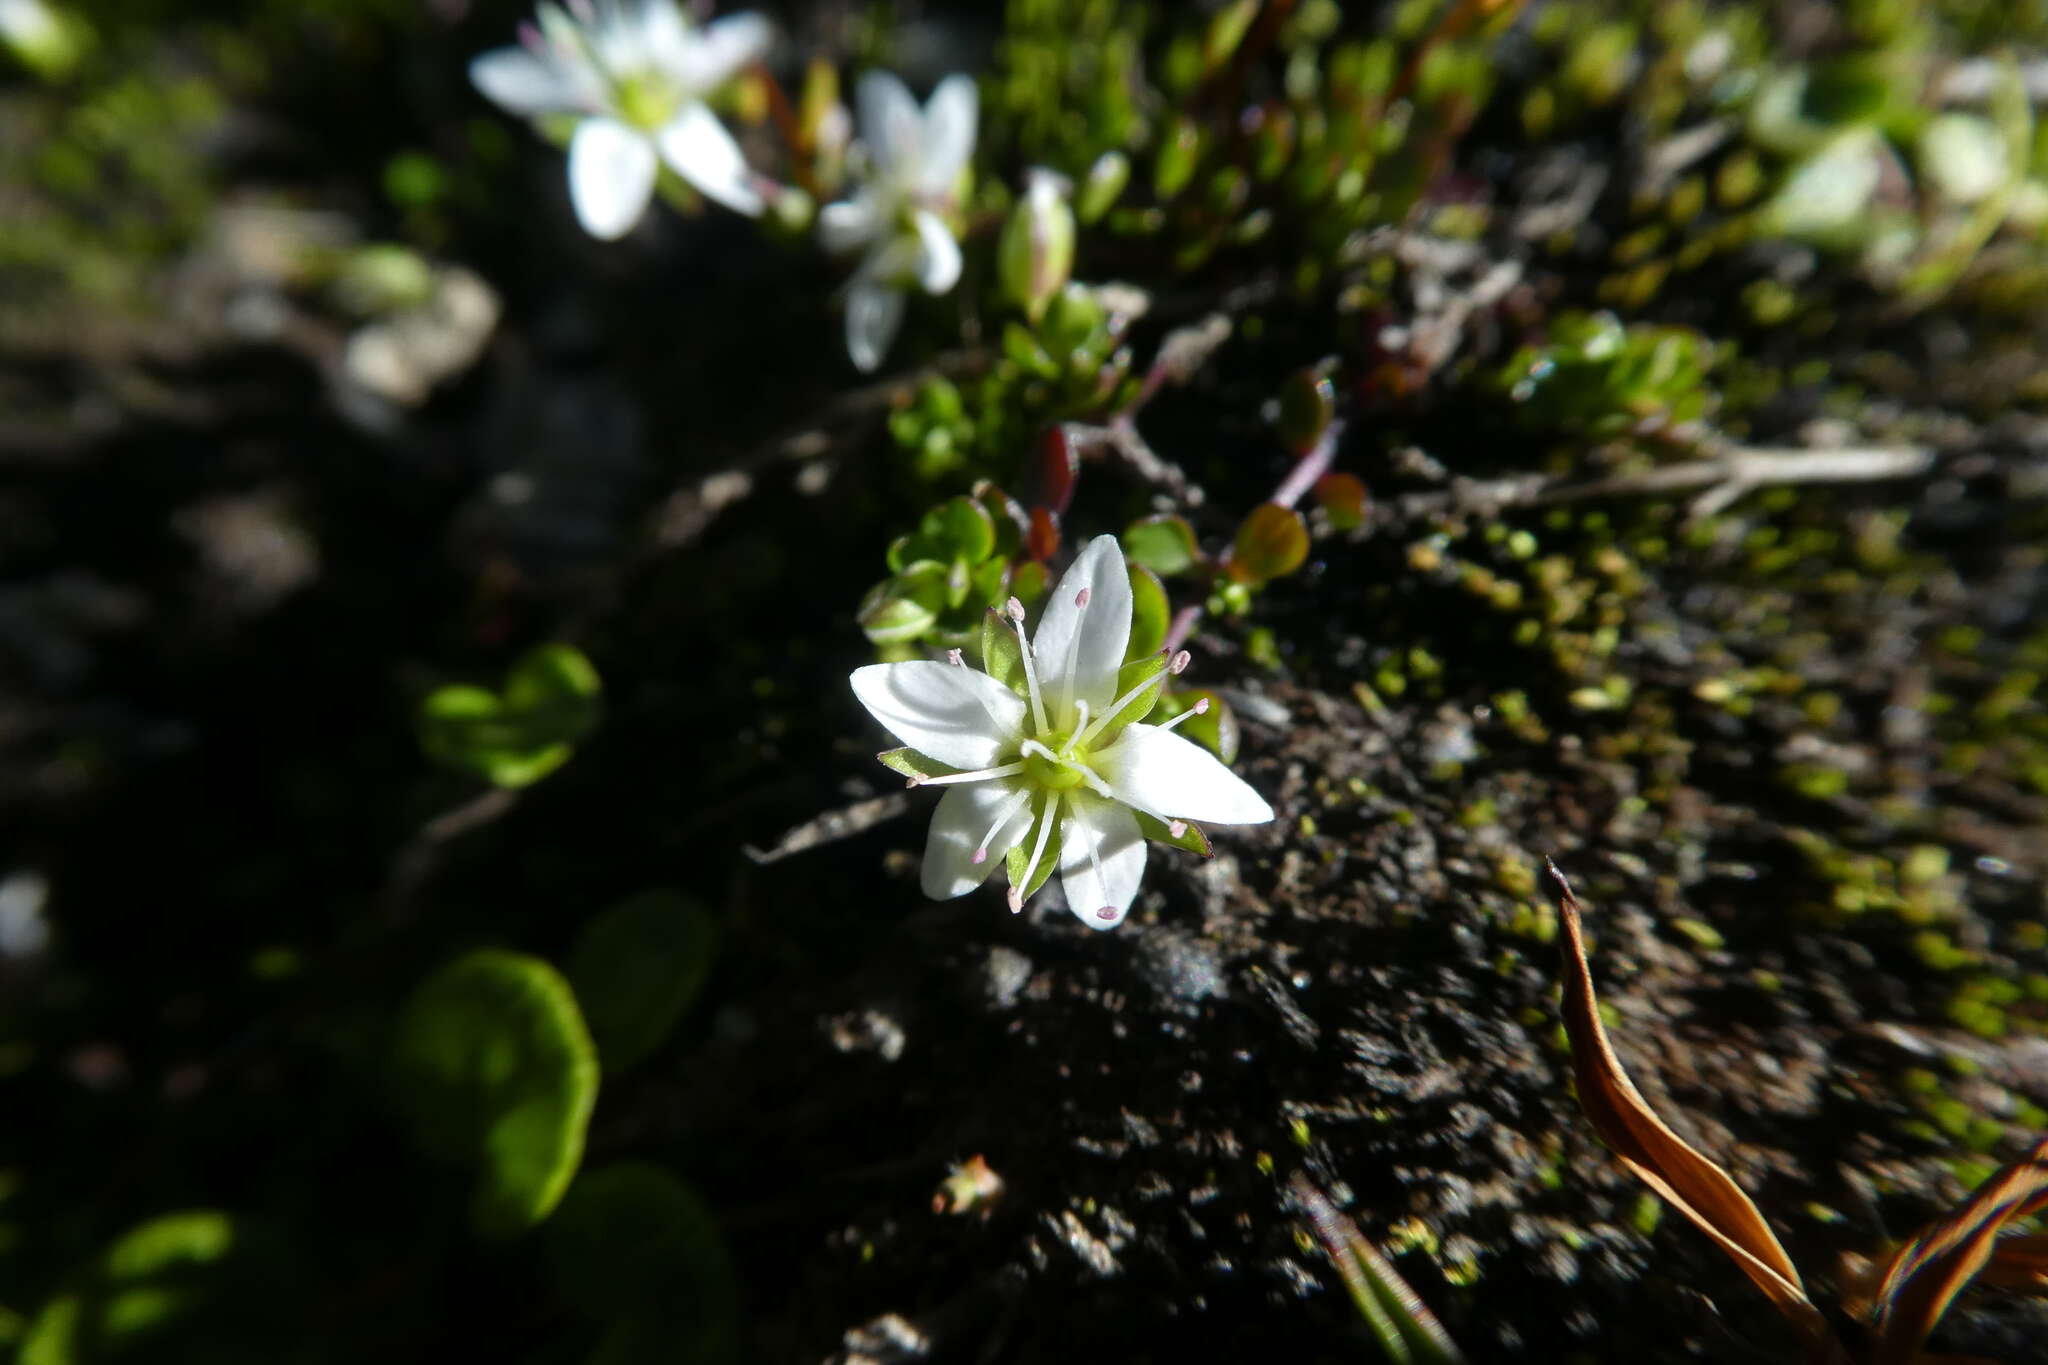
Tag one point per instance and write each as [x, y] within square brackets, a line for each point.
[1190, 837]
[1215, 730]
[1136, 673]
[911, 763]
[1002, 654]
[1021, 854]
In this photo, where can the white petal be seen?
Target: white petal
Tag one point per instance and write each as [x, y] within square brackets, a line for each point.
[938, 264]
[873, 313]
[1176, 779]
[1100, 889]
[849, 224]
[703, 153]
[521, 82]
[1079, 649]
[663, 35]
[964, 815]
[889, 121]
[960, 716]
[949, 119]
[611, 176]
[723, 49]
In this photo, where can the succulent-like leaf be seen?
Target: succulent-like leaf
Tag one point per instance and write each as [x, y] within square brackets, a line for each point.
[1271, 543]
[1151, 613]
[1164, 544]
[492, 1062]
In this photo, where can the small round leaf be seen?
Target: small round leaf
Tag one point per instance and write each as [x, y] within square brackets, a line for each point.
[636, 968]
[1271, 543]
[495, 1069]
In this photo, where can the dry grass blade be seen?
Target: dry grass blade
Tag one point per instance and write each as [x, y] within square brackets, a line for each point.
[1927, 1273]
[1707, 1196]
[1405, 1328]
[2019, 1263]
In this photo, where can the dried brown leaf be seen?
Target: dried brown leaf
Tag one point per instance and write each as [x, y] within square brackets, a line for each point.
[1927, 1273]
[1707, 1195]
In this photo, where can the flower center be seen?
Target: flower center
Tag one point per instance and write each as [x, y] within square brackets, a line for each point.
[646, 99]
[1053, 764]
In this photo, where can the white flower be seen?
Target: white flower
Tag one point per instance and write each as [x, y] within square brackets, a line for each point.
[1059, 776]
[899, 216]
[637, 74]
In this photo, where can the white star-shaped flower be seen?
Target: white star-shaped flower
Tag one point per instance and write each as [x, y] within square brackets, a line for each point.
[637, 74]
[900, 217]
[1063, 775]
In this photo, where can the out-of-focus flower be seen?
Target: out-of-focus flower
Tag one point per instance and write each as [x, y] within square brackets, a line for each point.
[635, 74]
[901, 216]
[1061, 776]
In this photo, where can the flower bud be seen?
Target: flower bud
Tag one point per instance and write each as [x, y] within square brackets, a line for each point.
[1104, 182]
[1036, 254]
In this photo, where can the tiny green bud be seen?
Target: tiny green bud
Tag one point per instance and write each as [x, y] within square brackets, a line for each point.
[1104, 183]
[1036, 254]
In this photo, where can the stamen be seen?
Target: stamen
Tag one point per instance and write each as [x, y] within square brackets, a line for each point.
[1052, 810]
[983, 775]
[1086, 733]
[1016, 610]
[1081, 598]
[1176, 828]
[1080, 721]
[953, 658]
[1178, 664]
[1095, 861]
[1004, 813]
[1200, 707]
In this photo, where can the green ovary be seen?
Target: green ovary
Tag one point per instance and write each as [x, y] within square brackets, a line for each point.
[647, 102]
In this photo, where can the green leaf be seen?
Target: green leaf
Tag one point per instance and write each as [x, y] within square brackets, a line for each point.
[957, 529]
[515, 738]
[1028, 582]
[1020, 855]
[1103, 184]
[494, 1068]
[1190, 837]
[635, 1248]
[1271, 543]
[636, 968]
[1164, 544]
[888, 616]
[1002, 654]
[154, 1278]
[1151, 613]
[911, 763]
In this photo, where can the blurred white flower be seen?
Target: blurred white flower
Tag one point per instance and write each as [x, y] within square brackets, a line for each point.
[1061, 776]
[900, 216]
[637, 74]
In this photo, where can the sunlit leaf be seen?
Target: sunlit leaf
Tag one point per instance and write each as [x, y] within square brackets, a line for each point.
[1164, 544]
[1151, 613]
[514, 738]
[492, 1064]
[1271, 543]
